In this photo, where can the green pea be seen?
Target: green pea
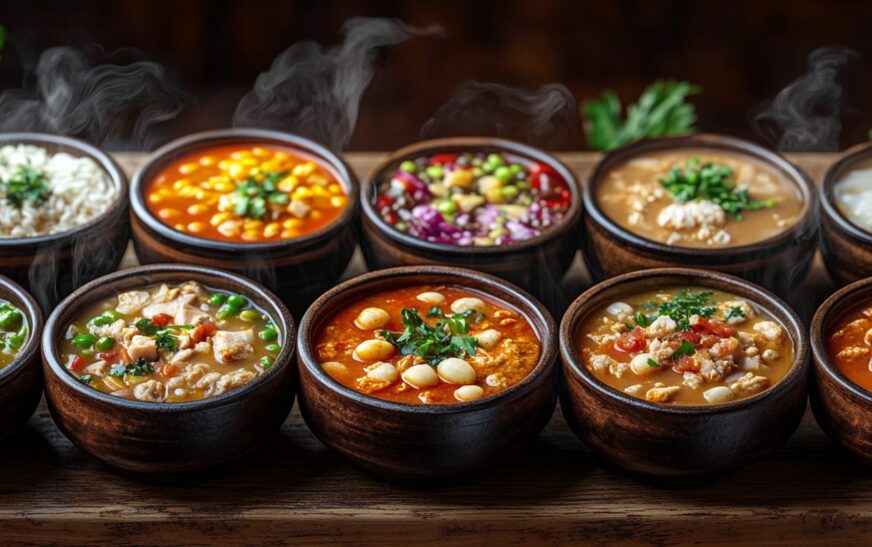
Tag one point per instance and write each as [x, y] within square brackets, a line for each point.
[523, 185]
[515, 168]
[10, 319]
[106, 343]
[488, 167]
[446, 206]
[495, 160]
[217, 299]
[84, 340]
[248, 315]
[509, 192]
[273, 348]
[269, 333]
[87, 353]
[477, 172]
[266, 362]
[401, 226]
[408, 166]
[435, 172]
[237, 301]
[225, 311]
[15, 341]
[503, 173]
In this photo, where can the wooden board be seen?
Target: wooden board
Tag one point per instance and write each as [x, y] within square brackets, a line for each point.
[555, 492]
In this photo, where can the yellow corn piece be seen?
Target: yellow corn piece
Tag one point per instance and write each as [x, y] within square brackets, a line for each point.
[188, 168]
[207, 161]
[200, 194]
[281, 156]
[293, 223]
[169, 214]
[251, 235]
[249, 162]
[301, 193]
[252, 225]
[155, 198]
[224, 165]
[197, 209]
[197, 227]
[272, 229]
[318, 179]
[181, 183]
[240, 154]
[288, 234]
[218, 218]
[338, 201]
[318, 191]
[335, 189]
[261, 152]
[269, 166]
[288, 184]
[236, 170]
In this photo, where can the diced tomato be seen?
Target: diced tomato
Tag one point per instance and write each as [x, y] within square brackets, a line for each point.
[715, 326]
[384, 200]
[77, 363]
[685, 363]
[691, 337]
[162, 320]
[439, 159]
[392, 217]
[108, 356]
[201, 332]
[632, 341]
[168, 371]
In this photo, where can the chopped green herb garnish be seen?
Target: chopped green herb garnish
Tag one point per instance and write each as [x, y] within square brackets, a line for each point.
[26, 185]
[86, 378]
[734, 311]
[643, 320]
[140, 368]
[163, 336]
[433, 343]
[253, 198]
[686, 348]
[167, 341]
[653, 363]
[683, 305]
[712, 182]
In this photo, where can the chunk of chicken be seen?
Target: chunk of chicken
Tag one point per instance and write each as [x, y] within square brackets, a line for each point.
[142, 347]
[662, 394]
[112, 330]
[749, 383]
[170, 307]
[661, 326]
[191, 315]
[233, 380]
[600, 362]
[132, 301]
[152, 390]
[182, 356]
[194, 372]
[743, 306]
[229, 346]
[770, 331]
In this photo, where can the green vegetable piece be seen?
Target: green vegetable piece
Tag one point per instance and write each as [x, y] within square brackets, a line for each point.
[217, 299]
[248, 315]
[86, 378]
[11, 319]
[503, 173]
[435, 172]
[266, 361]
[653, 363]
[87, 353]
[273, 348]
[236, 301]
[106, 343]
[433, 343]
[408, 166]
[84, 340]
[446, 206]
[15, 341]
[26, 185]
[269, 333]
[495, 159]
[225, 311]
[686, 348]
[509, 192]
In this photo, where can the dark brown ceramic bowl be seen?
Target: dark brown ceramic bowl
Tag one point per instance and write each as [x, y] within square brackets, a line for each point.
[168, 439]
[846, 248]
[52, 266]
[779, 263]
[672, 442]
[841, 407]
[298, 270]
[536, 265]
[20, 380]
[425, 444]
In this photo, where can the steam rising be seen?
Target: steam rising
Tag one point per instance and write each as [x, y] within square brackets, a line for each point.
[805, 115]
[108, 104]
[545, 116]
[315, 91]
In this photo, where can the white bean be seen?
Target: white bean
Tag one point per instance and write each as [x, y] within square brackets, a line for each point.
[640, 365]
[619, 308]
[421, 376]
[372, 318]
[431, 297]
[373, 350]
[335, 368]
[456, 371]
[384, 372]
[489, 338]
[718, 395]
[468, 393]
[468, 303]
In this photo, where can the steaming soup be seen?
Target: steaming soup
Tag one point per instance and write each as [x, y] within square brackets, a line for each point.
[849, 345]
[427, 344]
[163, 343]
[13, 332]
[246, 194]
[853, 196]
[700, 198]
[42, 193]
[685, 346]
[473, 198]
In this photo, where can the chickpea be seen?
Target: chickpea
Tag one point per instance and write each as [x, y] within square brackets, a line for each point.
[456, 371]
[337, 201]
[372, 318]
[488, 339]
[640, 365]
[197, 227]
[421, 376]
[467, 303]
[468, 393]
[384, 372]
[431, 297]
[197, 209]
[168, 214]
[335, 368]
[207, 161]
[188, 168]
[272, 229]
[718, 395]
[155, 198]
[373, 350]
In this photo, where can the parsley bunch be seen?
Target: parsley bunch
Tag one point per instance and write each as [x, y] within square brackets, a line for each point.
[27, 184]
[433, 343]
[252, 198]
[683, 305]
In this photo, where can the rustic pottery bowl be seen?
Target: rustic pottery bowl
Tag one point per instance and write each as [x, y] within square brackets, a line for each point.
[149, 439]
[841, 407]
[52, 266]
[20, 380]
[536, 265]
[846, 248]
[297, 270]
[425, 444]
[779, 263]
[673, 442]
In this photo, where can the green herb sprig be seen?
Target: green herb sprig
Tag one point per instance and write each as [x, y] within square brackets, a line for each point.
[680, 308]
[253, 199]
[26, 185]
[734, 311]
[433, 343]
[163, 336]
[140, 368]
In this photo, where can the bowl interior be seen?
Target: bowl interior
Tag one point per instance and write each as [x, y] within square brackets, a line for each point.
[323, 309]
[113, 284]
[464, 144]
[804, 225]
[614, 289]
[196, 142]
[859, 154]
[15, 295]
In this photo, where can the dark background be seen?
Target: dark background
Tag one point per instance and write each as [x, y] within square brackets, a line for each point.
[740, 52]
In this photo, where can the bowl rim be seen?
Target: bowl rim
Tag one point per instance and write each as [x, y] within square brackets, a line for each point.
[14, 293]
[579, 309]
[532, 310]
[106, 163]
[832, 176]
[368, 192]
[742, 147]
[833, 305]
[218, 277]
[215, 137]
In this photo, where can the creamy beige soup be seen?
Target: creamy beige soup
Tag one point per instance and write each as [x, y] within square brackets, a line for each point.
[699, 198]
[853, 195]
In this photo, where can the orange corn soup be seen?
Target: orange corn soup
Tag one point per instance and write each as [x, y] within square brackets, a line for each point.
[850, 345]
[362, 347]
[246, 194]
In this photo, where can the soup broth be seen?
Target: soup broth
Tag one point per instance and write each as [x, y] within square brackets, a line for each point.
[13, 332]
[699, 198]
[173, 344]
[849, 345]
[685, 346]
[853, 195]
[428, 345]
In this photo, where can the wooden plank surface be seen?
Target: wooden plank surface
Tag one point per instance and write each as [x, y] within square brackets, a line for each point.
[554, 492]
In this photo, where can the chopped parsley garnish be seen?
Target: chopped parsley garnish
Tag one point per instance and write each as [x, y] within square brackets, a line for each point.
[140, 368]
[735, 311]
[653, 363]
[86, 378]
[253, 198]
[26, 185]
[643, 320]
[167, 341]
[682, 306]
[163, 336]
[686, 348]
[711, 181]
[433, 343]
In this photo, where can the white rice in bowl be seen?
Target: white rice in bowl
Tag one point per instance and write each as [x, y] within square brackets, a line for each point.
[78, 191]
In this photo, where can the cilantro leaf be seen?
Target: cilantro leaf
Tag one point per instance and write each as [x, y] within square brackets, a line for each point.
[26, 185]
[686, 348]
[433, 343]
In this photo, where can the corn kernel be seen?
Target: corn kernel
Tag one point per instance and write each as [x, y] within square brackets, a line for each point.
[224, 187]
[249, 162]
[288, 184]
[335, 189]
[197, 209]
[207, 161]
[179, 227]
[197, 227]
[299, 170]
[301, 193]
[252, 225]
[260, 152]
[155, 198]
[236, 170]
[181, 183]
[188, 168]
[224, 165]
[168, 214]
[271, 230]
[206, 185]
[288, 234]
[337, 201]
[293, 223]
[281, 156]
[318, 191]
[240, 154]
[218, 218]
[200, 194]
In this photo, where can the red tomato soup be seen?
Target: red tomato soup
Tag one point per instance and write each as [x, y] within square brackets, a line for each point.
[850, 345]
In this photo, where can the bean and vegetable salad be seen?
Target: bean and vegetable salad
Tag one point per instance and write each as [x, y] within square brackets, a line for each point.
[13, 332]
[473, 198]
[173, 344]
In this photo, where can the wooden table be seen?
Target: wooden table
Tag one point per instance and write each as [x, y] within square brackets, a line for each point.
[554, 492]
